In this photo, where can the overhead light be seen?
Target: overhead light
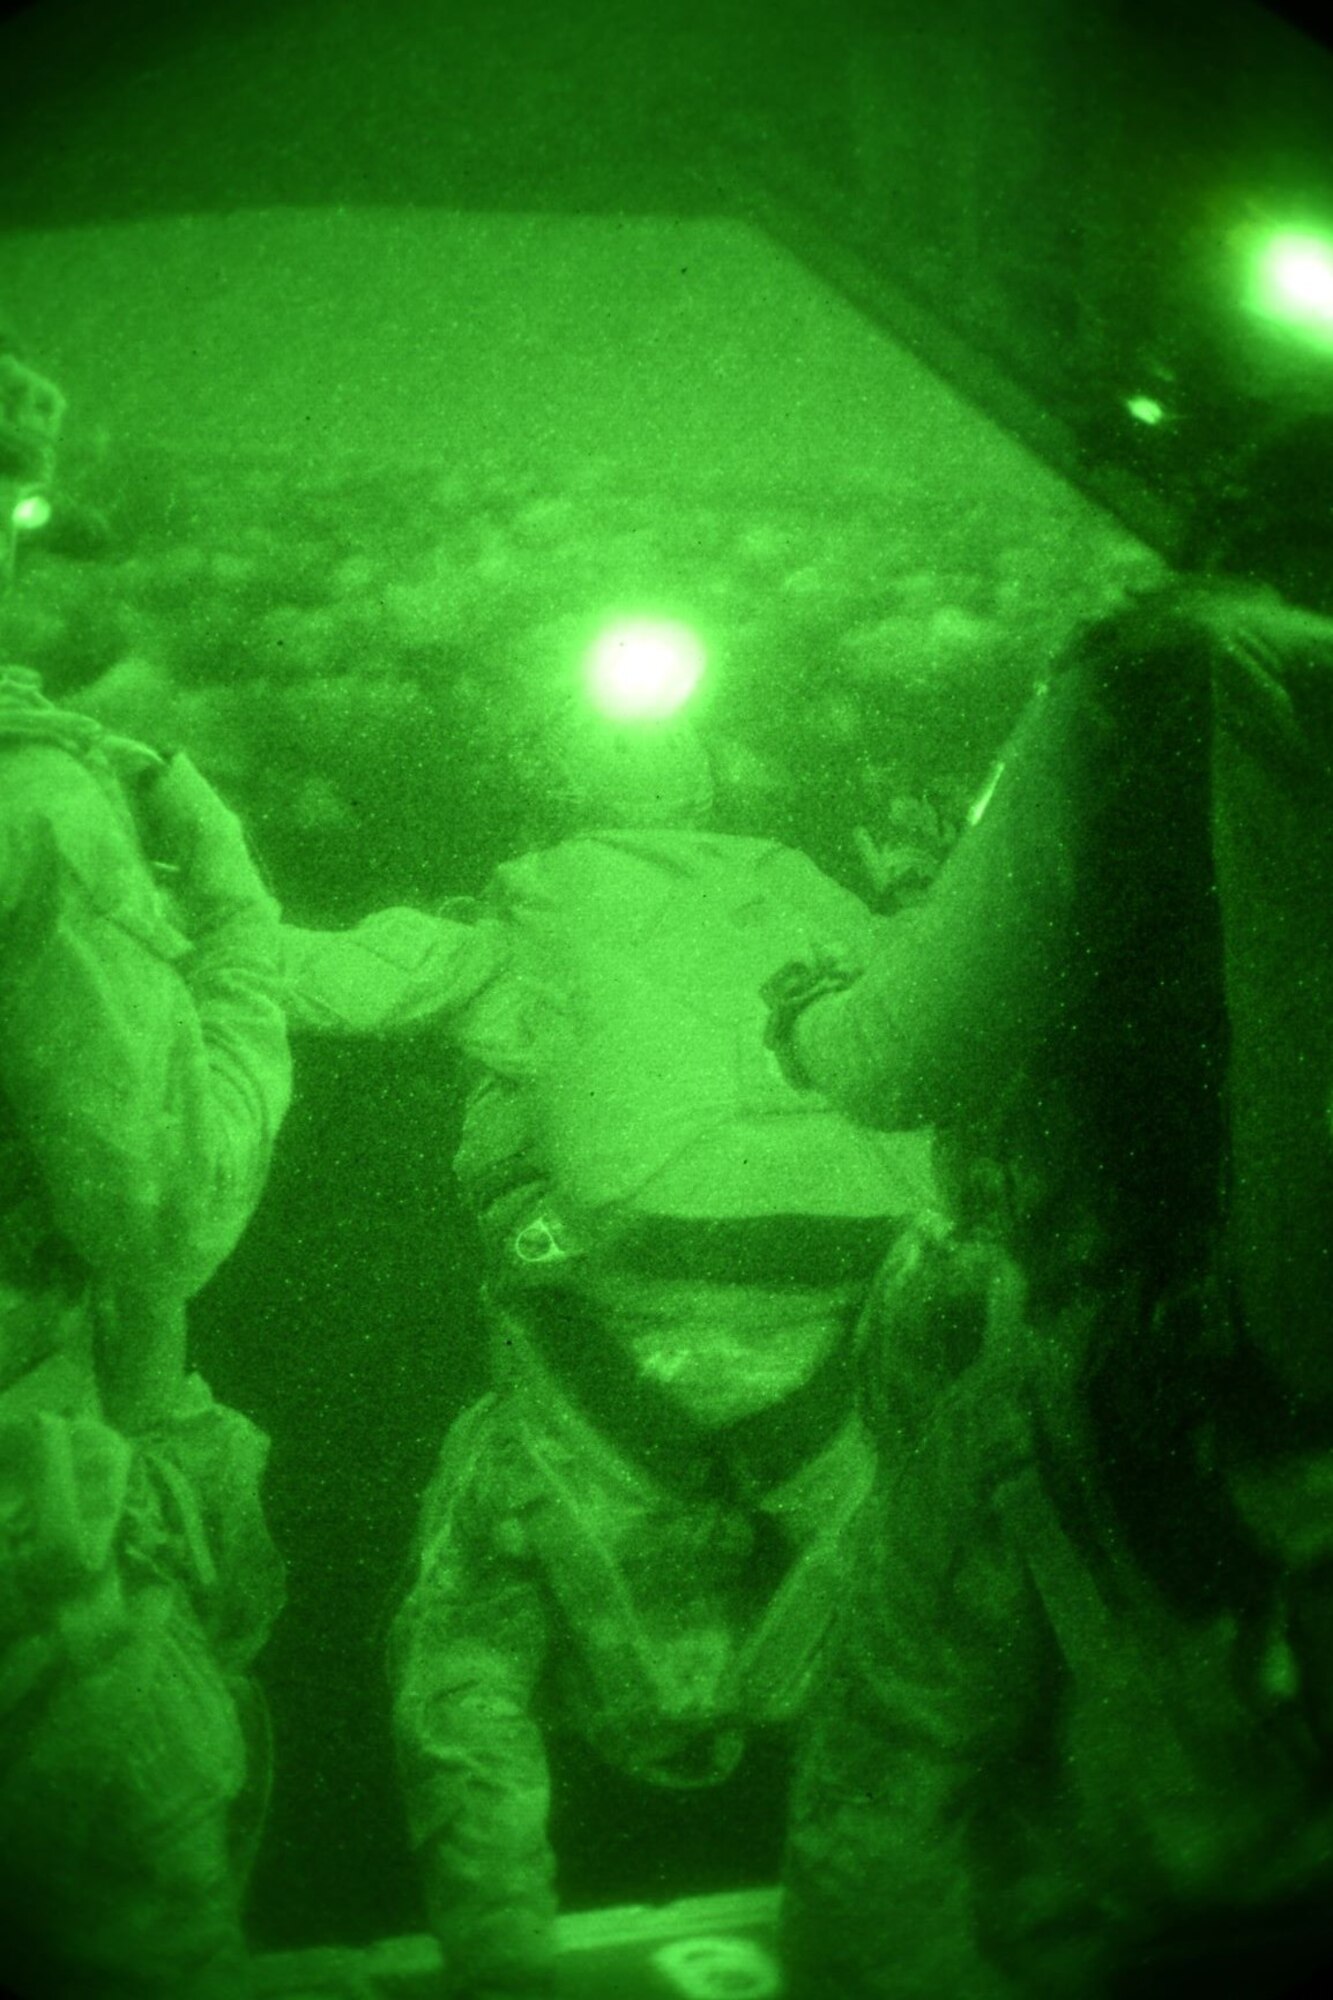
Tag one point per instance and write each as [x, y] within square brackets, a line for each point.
[1293, 280]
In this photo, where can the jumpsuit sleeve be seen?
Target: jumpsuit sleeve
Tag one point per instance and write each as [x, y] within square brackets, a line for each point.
[963, 988]
[963, 984]
[397, 969]
[145, 1075]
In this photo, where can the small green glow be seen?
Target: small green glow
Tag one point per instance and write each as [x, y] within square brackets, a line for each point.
[32, 513]
[1146, 409]
[644, 670]
[1295, 280]
[976, 810]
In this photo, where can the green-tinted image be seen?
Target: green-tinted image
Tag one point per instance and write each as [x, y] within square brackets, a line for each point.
[666, 1034]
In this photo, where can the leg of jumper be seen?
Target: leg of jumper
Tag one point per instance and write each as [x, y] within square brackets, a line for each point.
[929, 1847]
[117, 1781]
[467, 1650]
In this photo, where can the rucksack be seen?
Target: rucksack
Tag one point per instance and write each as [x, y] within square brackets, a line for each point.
[636, 1081]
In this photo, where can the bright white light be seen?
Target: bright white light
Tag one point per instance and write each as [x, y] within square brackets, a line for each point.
[1295, 280]
[32, 513]
[1303, 274]
[1146, 409]
[644, 670]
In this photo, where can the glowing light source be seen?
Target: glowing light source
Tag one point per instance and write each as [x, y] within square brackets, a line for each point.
[644, 670]
[1145, 409]
[1295, 280]
[31, 513]
[976, 810]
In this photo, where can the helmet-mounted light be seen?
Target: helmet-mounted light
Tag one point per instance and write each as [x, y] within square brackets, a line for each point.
[643, 670]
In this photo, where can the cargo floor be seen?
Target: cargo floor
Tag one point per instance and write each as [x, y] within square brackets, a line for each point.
[698, 1949]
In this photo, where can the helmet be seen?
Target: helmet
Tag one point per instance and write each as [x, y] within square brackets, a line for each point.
[604, 773]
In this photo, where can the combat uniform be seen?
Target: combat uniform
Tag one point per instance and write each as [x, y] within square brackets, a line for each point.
[640, 1533]
[1049, 1756]
[143, 1077]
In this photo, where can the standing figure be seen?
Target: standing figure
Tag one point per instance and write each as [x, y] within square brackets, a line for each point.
[638, 1536]
[1075, 1734]
[143, 1078]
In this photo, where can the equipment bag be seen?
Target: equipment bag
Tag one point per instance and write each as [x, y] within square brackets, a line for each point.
[643, 1083]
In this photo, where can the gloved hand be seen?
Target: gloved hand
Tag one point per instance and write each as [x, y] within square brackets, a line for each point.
[794, 987]
[187, 828]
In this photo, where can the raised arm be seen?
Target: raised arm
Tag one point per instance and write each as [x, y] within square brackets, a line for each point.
[144, 1067]
[395, 970]
[964, 983]
[964, 988]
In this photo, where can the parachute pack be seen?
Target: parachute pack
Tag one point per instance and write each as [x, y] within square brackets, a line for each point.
[639, 1078]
